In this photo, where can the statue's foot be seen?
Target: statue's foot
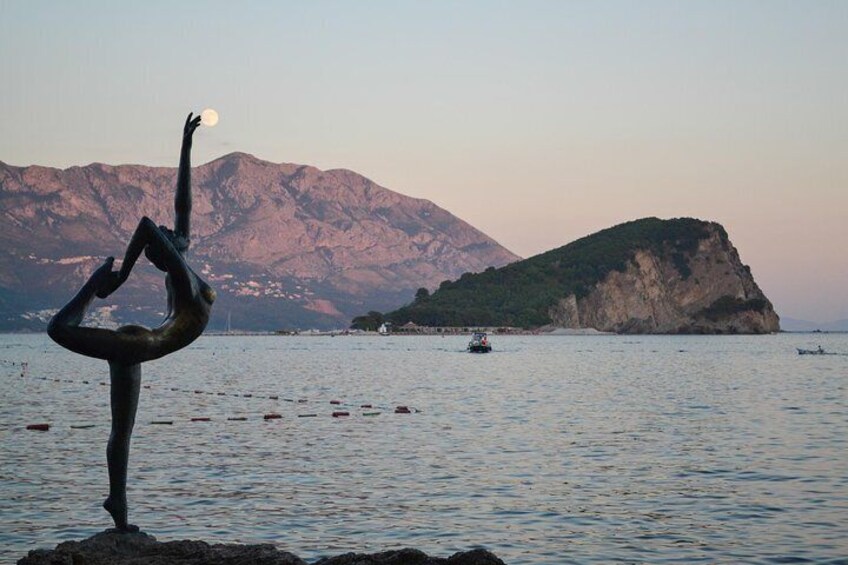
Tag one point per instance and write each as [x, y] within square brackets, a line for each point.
[130, 529]
[118, 510]
[103, 293]
[105, 280]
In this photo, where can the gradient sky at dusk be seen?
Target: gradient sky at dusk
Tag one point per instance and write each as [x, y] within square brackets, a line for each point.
[536, 122]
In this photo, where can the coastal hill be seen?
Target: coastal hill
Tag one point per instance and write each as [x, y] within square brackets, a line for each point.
[645, 276]
[285, 246]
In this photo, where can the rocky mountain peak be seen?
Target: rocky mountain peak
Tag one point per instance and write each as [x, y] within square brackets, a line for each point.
[293, 244]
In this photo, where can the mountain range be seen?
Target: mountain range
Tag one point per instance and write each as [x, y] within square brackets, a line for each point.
[285, 246]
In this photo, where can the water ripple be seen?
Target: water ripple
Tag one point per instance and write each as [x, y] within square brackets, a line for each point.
[553, 450]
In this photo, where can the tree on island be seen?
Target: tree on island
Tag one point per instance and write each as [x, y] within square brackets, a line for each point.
[369, 322]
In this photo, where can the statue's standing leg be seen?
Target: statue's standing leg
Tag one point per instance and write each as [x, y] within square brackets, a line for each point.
[126, 383]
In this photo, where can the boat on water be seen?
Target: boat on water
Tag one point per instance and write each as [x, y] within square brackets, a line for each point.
[817, 351]
[479, 343]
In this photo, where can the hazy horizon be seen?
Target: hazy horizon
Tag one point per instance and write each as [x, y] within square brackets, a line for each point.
[537, 123]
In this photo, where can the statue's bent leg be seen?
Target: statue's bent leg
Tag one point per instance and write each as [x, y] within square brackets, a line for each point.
[126, 383]
[64, 327]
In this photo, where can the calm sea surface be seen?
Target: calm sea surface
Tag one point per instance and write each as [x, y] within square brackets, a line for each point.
[548, 450]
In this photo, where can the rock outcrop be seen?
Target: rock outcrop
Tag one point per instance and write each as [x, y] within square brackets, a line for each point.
[141, 549]
[284, 245]
[711, 291]
[646, 276]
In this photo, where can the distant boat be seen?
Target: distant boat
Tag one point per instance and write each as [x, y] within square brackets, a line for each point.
[818, 351]
[385, 328]
[479, 343]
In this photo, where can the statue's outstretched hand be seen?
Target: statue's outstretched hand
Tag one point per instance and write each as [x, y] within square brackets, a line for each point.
[105, 280]
[191, 124]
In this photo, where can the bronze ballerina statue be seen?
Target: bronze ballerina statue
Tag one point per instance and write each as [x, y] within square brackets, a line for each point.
[189, 305]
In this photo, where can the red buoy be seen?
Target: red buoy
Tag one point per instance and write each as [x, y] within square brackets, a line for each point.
[39, 427]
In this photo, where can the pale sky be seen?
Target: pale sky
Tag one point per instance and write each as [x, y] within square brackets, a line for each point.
[536, 122]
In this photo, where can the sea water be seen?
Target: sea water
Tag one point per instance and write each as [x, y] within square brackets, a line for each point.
[557, 449]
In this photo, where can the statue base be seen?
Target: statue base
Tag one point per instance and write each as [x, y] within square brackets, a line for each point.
[138, 548]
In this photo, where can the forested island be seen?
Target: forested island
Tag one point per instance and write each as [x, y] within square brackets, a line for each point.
[681, 275]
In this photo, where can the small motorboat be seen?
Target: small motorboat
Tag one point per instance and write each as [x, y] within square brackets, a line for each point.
[817, 351]
[479, 343]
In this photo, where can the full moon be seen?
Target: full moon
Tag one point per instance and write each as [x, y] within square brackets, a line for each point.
[209, 117]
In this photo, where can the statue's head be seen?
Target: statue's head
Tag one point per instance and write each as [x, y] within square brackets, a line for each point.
[156, 257]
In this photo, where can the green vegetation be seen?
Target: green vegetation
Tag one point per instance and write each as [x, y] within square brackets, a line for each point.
[369, 322]
[521, 294]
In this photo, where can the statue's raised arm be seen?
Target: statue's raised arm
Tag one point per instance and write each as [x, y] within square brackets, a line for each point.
[182, 200]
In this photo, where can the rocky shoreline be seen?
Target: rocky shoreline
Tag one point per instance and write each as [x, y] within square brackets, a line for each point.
[112, 548]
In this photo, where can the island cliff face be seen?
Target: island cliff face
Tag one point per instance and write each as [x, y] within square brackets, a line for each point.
[715, 293]
[646, 276]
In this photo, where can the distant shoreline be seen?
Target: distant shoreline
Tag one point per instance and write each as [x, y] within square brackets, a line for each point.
[555, 332]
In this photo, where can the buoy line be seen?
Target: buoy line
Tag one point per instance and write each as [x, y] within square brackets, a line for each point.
[22, 366]
[46, 426]
[248, 395]
[367, 409]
